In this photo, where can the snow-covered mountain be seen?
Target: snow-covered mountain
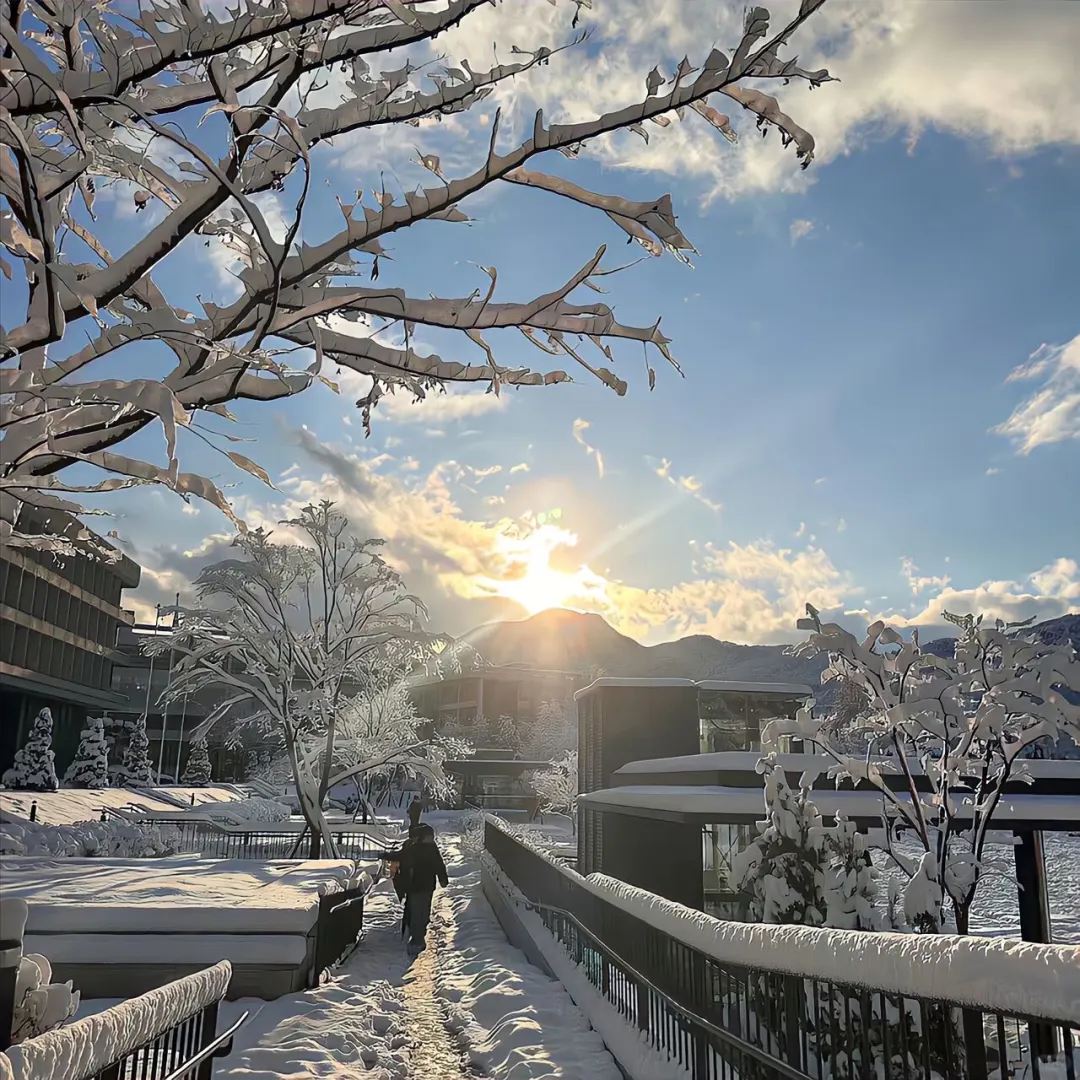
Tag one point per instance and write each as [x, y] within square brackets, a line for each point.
[572, 641]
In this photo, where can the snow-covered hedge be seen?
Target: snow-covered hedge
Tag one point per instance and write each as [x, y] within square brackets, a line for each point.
[87, 1046]
[993, 974]
[255, 808]
[106, 839]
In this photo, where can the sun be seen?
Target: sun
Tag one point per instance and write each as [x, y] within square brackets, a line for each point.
[533, 583]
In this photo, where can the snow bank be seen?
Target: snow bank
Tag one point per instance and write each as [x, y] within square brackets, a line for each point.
[285, 949]
[244, 811]
[517, 1023]
[629, 1045]
[993, 974]
[87, 1046]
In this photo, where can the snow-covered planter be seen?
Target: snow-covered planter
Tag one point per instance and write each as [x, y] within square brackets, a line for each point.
[90, 767]
[34, 767]
[89, 839]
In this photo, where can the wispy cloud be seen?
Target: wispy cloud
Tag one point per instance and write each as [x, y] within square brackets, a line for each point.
[688, 485]
[580, 427]
[1052, 413]
[917, 582]
[800, 229]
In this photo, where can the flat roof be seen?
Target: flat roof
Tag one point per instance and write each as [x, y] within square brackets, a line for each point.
[744, 805]
[713, 685]
[496, 672]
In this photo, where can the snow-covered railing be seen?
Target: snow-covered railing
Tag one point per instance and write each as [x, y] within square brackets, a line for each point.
[340, 923]
[796, 1000]
[167, 1034]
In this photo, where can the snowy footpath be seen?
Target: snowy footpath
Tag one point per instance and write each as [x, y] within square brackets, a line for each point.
[470, 1006]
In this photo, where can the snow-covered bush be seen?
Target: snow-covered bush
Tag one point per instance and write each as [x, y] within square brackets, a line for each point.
[40, 1004]
[552, 733]
[964, 722]
[34, 767]
[137, 771]
[90, 767]
[255, 808]
[89, 839]
[197, 771]
[800, 871]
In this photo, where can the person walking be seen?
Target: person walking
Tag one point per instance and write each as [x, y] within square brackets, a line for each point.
[420, 864]
[416, 808]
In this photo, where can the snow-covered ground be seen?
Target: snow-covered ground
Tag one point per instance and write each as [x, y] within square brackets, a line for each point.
[70, 805]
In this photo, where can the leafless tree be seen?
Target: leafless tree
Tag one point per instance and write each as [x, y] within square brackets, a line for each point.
[200, 114]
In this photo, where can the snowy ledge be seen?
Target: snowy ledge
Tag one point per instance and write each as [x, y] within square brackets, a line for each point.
[992, 974]
[87, 1046]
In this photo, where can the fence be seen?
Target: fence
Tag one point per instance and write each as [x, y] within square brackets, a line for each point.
[338, 930]
[231, 842]
[168, 1034]
[741, 1021]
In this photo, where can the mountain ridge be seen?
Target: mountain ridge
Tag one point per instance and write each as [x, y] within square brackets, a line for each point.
[564, 640]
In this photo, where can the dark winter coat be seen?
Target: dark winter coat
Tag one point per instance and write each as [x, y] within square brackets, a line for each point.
[420, 864]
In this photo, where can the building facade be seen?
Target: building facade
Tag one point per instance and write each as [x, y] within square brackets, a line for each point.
[59, 620]
[462, 702]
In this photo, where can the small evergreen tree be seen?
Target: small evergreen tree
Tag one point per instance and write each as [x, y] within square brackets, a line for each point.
[137, 771]
[34, 768]
[197, 772]
[90, 768]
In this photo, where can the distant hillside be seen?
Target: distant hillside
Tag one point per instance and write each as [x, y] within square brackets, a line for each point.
[572, 641]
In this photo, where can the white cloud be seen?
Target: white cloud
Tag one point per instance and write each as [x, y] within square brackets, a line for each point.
[1052, 413]
[580, 427]
[800, 229]
[820, 480]
[438, 408]
[993, 470]
[919, 583]
[841, 525]
[905, 65]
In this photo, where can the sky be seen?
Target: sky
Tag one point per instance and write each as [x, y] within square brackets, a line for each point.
[878, 409]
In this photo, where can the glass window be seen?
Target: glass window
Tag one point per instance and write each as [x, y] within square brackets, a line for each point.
[723, 721]
[12, 585]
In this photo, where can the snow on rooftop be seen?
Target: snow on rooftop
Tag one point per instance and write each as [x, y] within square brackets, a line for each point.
[175, 895]
[723, 802]
[611, 680]
[799, 690]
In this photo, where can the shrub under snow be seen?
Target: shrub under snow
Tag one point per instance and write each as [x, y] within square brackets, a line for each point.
[90, 768]
[89, 839]
[34, 768]
[40, 1004]
[255, 808]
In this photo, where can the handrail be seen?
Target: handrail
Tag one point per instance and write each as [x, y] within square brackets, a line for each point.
[740, 1045]
[216, 1048]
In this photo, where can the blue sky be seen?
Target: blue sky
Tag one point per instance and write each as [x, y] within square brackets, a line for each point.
[846, 431]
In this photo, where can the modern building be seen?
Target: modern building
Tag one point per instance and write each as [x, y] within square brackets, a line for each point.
[625, 720]
[462, 701]
[59, 619]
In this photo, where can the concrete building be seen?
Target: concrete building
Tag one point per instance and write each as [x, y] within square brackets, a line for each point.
[59, 619]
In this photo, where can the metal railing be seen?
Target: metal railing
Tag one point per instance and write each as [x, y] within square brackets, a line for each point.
[234, 842]
[338, 931]
[146, 1044]
[722, 1021]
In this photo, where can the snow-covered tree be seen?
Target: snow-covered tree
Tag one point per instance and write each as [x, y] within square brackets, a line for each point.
[213, 125]
[90, 767]
[798, 870]
[34, 767]
[551, 733]
[197, 772]
[294, 632]
[137, 770]
[962, 722]
[557, 787]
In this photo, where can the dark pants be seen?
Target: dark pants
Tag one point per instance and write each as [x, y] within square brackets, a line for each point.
[418, 905]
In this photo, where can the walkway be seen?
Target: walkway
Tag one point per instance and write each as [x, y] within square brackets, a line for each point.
[379, 1019]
